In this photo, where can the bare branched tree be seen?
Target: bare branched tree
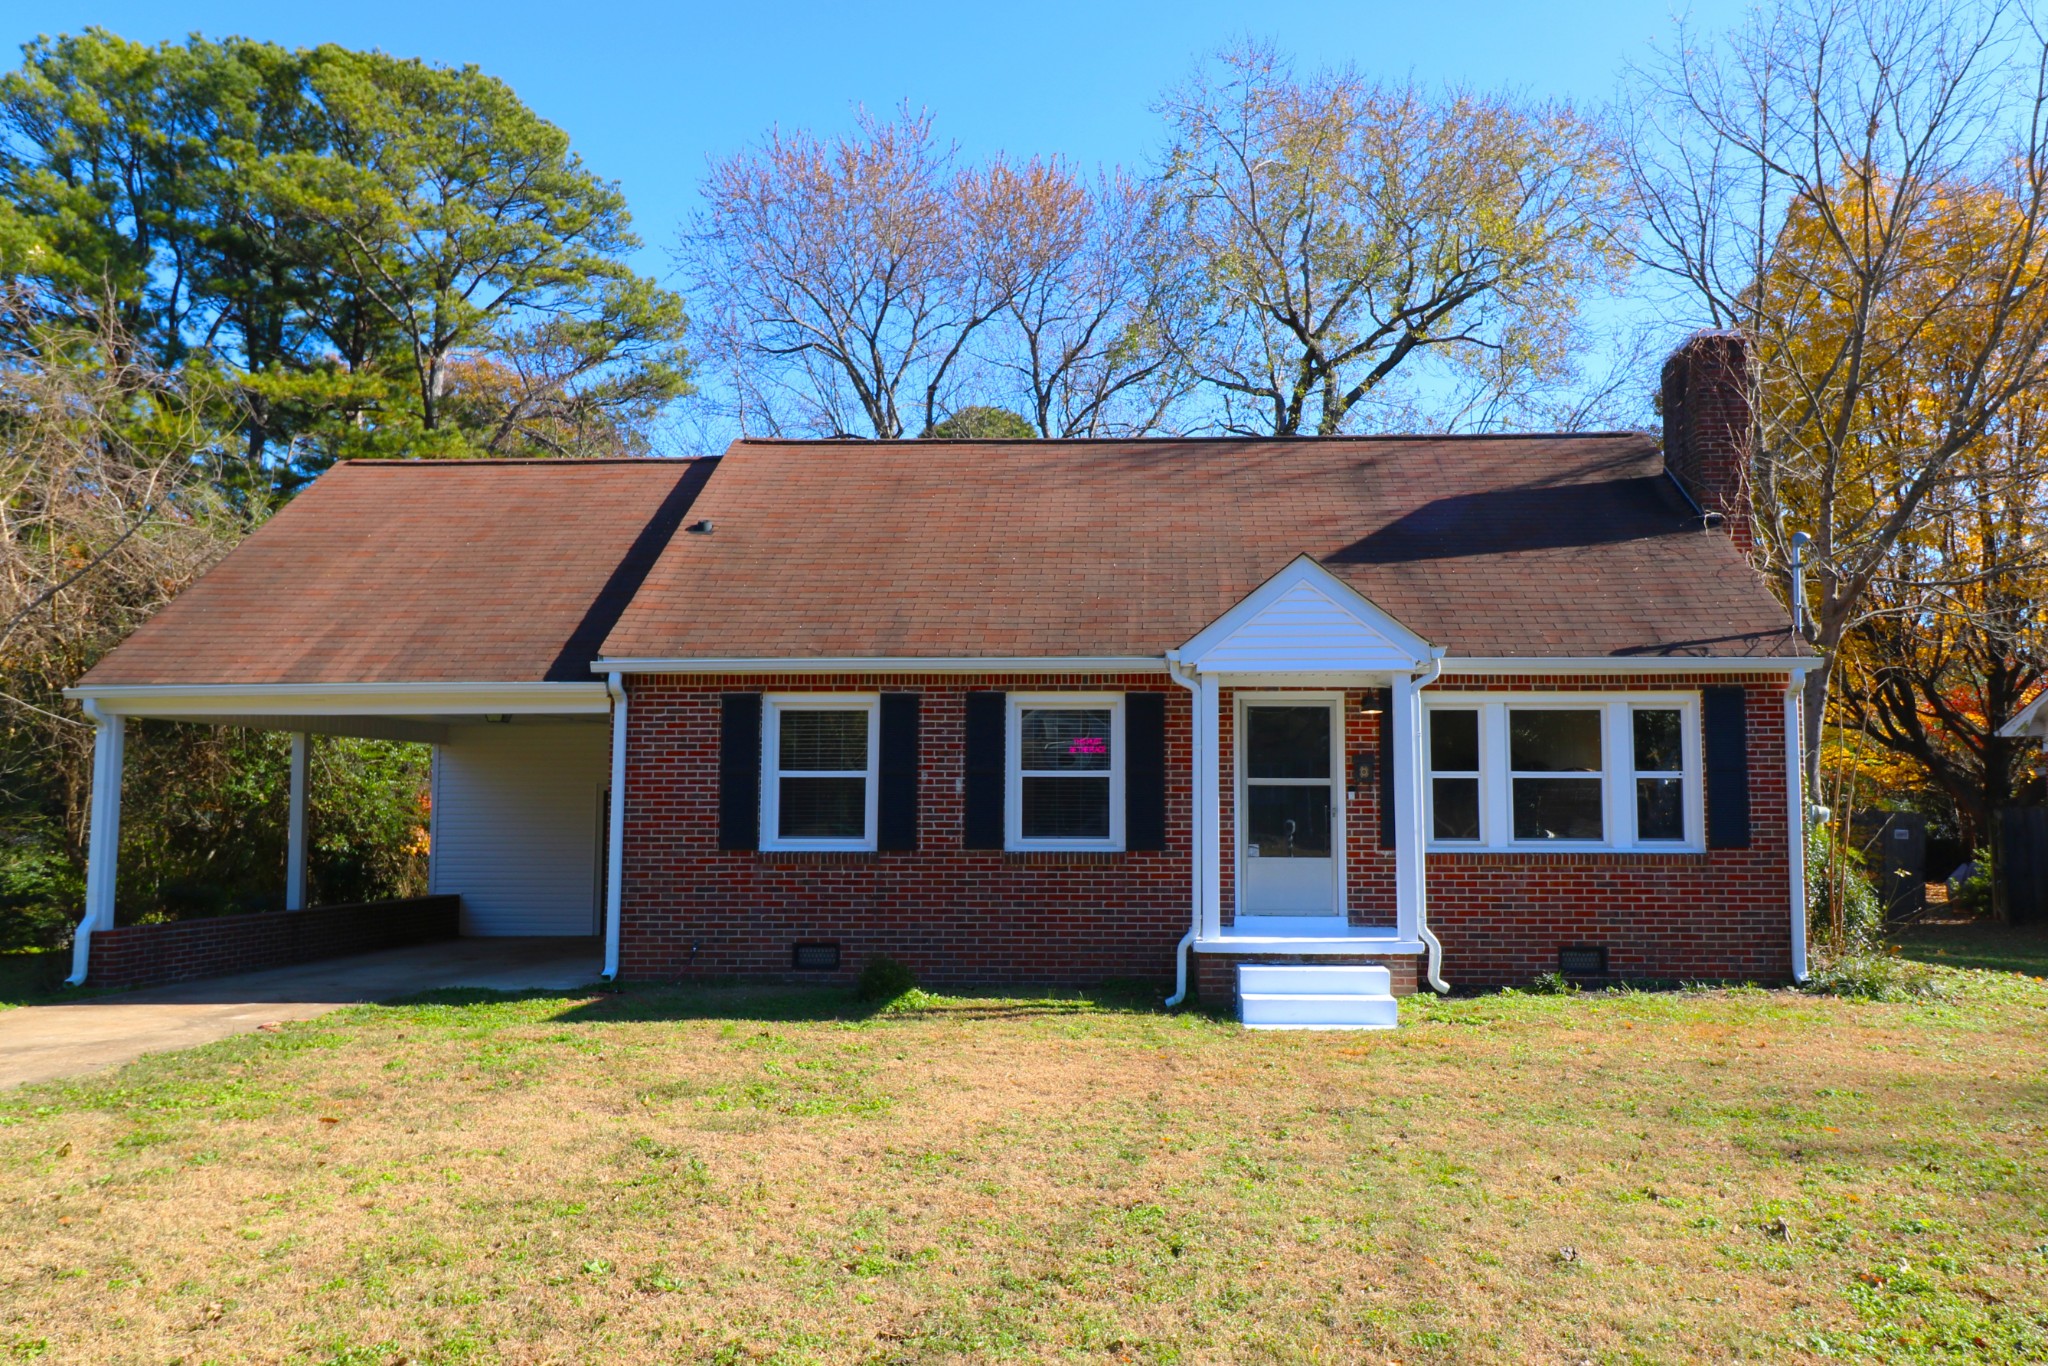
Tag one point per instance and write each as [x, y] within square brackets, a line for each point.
[1862, 188]
[837, 282]
[1335, 232]
[107, 510]
[1077, 267]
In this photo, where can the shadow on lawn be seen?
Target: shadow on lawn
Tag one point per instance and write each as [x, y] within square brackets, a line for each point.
[1978, 944]
[788, 1005]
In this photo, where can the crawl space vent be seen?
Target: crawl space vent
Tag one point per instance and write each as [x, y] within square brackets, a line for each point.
[1582, 961]
[815, 957]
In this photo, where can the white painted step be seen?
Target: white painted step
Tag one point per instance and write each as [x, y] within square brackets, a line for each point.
[1315, 996]
[1327, 979]
[1266, 1010]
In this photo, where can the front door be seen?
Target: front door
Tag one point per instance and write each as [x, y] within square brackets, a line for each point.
[1290, 803]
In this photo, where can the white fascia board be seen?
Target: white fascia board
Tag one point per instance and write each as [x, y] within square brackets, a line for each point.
[2032, 720]
[893, 664]
[347, 699]
[1630, 664]
[1303, 570]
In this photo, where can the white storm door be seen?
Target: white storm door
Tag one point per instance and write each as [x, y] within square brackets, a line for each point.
[1289, 805]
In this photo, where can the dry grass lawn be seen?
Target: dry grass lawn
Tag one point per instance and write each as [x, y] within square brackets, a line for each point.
[726, 1177]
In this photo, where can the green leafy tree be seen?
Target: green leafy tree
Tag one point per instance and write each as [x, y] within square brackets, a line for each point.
[979, 422]
[335, 234]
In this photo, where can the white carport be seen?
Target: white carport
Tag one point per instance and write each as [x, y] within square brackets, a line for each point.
[520, 775]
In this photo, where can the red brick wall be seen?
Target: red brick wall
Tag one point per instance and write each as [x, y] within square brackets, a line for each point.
[961, 916]
[1724, 913]
[955, 916]
[182, 950]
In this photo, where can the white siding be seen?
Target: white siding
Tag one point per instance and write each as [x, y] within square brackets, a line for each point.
[516, 826]
[1303, 629]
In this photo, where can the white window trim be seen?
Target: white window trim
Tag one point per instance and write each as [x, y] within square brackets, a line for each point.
[1013, 770]
[1617, 778]
[773, 705]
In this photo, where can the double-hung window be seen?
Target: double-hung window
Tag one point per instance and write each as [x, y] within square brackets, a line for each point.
[1563, 772]
[819, 756]
[1066, 772]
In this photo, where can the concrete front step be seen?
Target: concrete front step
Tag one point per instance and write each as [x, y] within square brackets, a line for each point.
[1265, 1010]
[1315, 996]
[1329, 979]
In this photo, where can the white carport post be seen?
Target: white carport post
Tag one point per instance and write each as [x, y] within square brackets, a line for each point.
[615, 831]
[295, 839]
[103, 836]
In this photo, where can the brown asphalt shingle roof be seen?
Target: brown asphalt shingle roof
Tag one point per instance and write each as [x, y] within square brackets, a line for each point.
[1575, 545]
[417, 571]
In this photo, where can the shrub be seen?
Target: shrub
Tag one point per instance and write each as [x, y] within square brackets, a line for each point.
[1553, 984]
[1971, 890]
[885, 979]
[1867, 975]
[1843, 911]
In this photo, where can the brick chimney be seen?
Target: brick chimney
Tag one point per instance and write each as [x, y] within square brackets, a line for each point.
[1709, 409]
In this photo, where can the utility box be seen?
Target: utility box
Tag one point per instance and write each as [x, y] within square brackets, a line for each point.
[1894, 845]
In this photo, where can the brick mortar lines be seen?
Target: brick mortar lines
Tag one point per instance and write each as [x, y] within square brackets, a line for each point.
[964, 917]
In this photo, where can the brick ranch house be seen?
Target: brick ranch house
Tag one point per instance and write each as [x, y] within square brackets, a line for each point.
[1302, 720]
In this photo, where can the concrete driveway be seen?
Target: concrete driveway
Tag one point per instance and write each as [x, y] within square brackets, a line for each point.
[39, 1043]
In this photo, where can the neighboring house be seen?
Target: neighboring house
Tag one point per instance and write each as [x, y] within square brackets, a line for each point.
[1459, 710]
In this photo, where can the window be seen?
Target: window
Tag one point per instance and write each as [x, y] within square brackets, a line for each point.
[1543, 742]
[818, 755]
[1657, 741]
[1066, 772]
[1575, 772]
[1453, 745]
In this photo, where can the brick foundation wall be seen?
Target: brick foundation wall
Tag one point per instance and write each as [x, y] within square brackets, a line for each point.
[955, 916]
[1216, 973]
[181, 951]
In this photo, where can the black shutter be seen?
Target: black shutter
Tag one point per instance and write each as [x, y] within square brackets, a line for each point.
[1145, 770]
[982, 797]
[1385, 702]
[739, 771]
[1724, 718]
[896, 803]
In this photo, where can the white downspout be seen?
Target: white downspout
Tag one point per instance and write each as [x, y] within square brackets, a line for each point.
[1795, 801]
[615, 830]
[1195, 832]
[102, 836]
[1412, 743]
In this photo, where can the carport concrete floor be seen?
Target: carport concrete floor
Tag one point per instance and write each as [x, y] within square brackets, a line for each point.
[39, 1043]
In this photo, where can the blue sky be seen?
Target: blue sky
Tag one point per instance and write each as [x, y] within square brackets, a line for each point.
[648, 90]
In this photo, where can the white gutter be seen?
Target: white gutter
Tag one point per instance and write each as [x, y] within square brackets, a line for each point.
[1435, 967]
[1626, 664]
[891, 664]
[344, 699]
[1174, 671]
[615, 832]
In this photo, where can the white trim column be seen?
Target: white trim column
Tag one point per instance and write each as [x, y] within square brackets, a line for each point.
[1410, 879]
[1209, 801]
[295, 836]
[103, 837]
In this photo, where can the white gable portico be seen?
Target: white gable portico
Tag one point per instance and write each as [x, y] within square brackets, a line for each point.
[1306, 622]
[1288, 652]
